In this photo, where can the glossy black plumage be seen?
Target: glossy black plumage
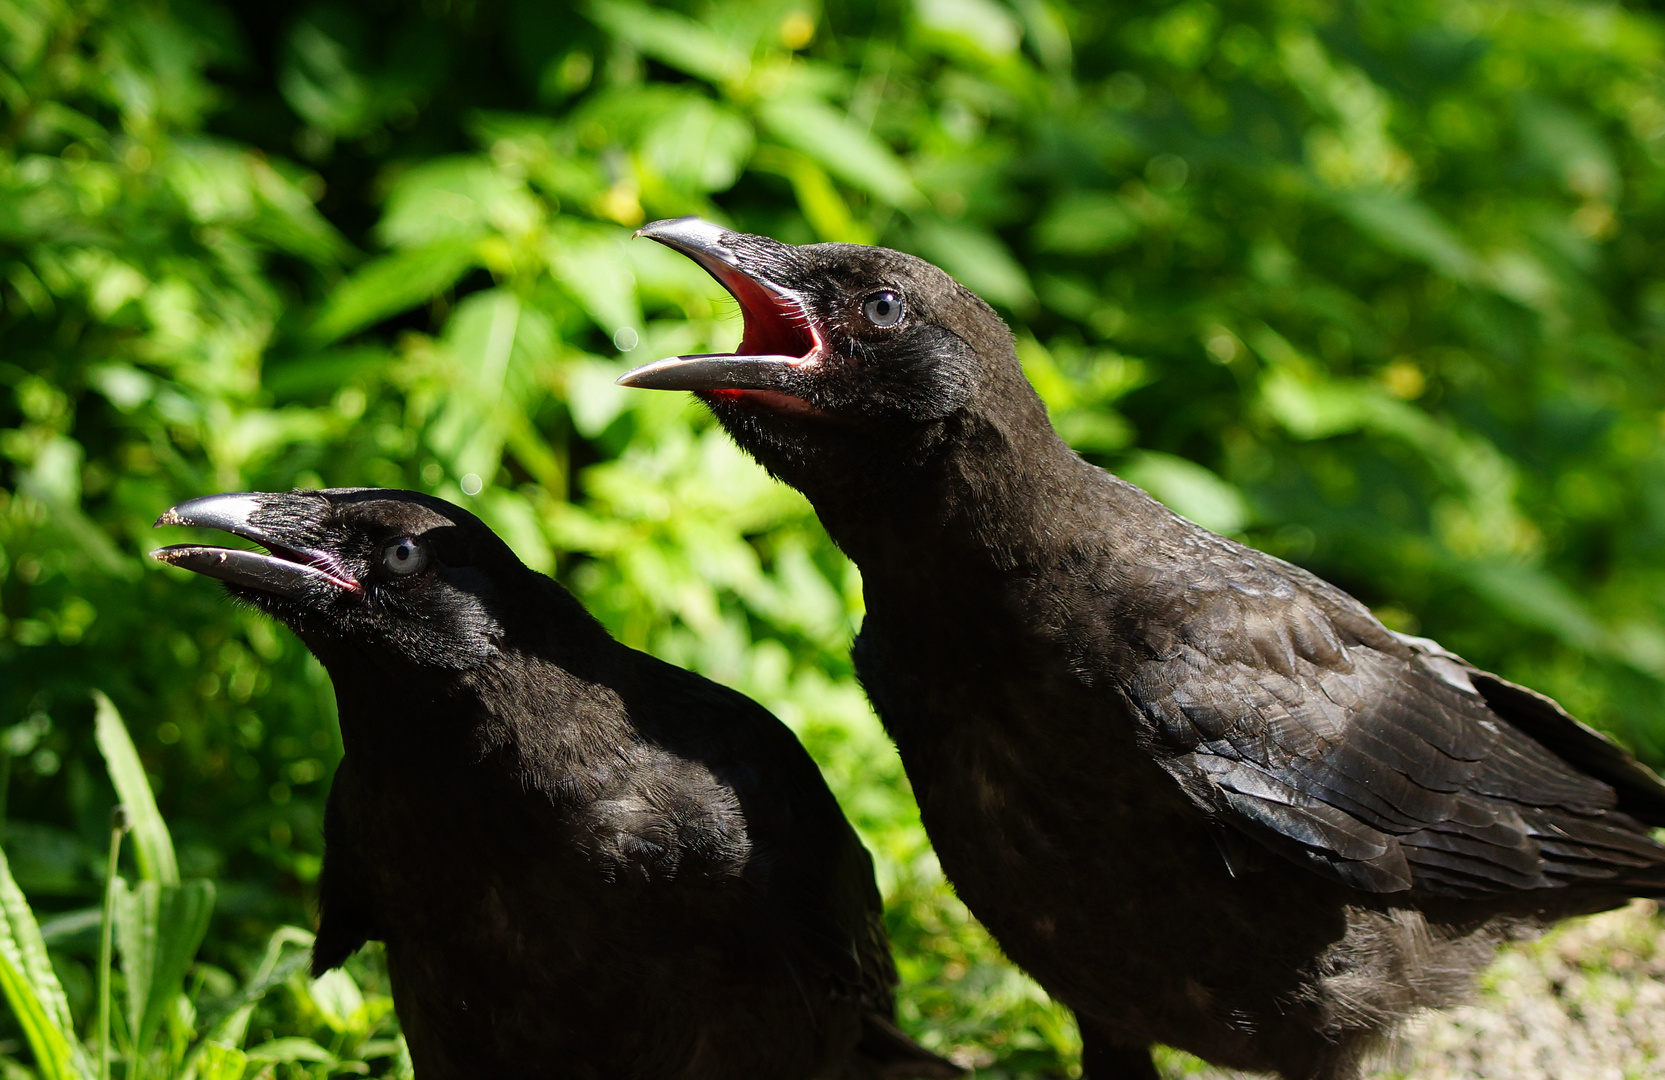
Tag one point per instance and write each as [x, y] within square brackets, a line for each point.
[585, 863]
[1206, 798]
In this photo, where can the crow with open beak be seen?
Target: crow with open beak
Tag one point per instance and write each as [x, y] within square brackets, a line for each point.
[1206, 798]
[585, 863]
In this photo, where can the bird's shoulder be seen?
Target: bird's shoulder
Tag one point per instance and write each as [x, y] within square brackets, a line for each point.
[672, 776]
[812, 874]
[1139, 583]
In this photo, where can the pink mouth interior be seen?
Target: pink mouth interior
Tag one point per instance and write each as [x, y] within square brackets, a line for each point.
[775, 325]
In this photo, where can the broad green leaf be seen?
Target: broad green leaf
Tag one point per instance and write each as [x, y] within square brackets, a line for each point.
[152, 845]
[403, 1069]
[494, 346]
[1533, 597]
[843, 148]
[594, 396]
[24, 949]
[393, 284]
[49, 1043]
[158, 930]
[339, 1001]
[823, 207]
[318, 81]
[1571, 145]
[590, 263]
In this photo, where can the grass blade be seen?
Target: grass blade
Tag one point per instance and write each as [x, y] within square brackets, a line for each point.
[106, 933]
[274, 970]
[159, 928]
[32, 988]
[151, 843]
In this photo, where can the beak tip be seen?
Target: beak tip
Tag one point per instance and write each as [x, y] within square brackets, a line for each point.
[690, 234]
[169, 517]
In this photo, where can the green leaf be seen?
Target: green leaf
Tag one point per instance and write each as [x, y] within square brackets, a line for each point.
[1188, 489]
[1402, 224]
[339, 1001]
[700, 145]
[1086, 223]
[822, 206]
[158, 930]
[675, 39]
[981, 27]
[31, 986]
[456, 198]
[1535, 598]
[848, 151]
[54, 1054]
[151, 843]
[393, 284]
[228, 1021]
[978, 260]
[221, 1063]
[291, 1049]
[590, 263]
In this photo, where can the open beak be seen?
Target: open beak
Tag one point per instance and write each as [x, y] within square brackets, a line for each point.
[780, 341]
[285, 568]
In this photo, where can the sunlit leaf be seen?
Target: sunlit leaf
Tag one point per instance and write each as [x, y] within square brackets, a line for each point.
[31, 986]
[339, 1000]
[290, 1050]
[842, 147]
[1188, 489]
[978, 260]
[392, 284]
[677, 40]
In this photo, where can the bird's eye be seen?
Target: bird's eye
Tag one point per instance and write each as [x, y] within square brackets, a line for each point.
[882, 308]
[404, 556]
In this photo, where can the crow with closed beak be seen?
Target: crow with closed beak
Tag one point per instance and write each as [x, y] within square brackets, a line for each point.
[585, 863]
[1203, 796]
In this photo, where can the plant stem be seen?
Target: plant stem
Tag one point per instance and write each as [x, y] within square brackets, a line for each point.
[118, 825]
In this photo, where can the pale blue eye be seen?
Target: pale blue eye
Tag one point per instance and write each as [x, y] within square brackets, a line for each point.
[404, 556]
[882, 308]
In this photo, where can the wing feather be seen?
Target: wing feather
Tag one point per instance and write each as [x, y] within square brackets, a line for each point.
[1385, 762]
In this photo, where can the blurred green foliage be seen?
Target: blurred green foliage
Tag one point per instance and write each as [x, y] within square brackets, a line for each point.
[1375, 286]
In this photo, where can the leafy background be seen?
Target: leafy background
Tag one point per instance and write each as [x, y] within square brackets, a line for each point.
[1375, 286]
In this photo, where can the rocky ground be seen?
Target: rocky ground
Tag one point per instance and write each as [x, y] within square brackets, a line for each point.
[1586, 1002]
